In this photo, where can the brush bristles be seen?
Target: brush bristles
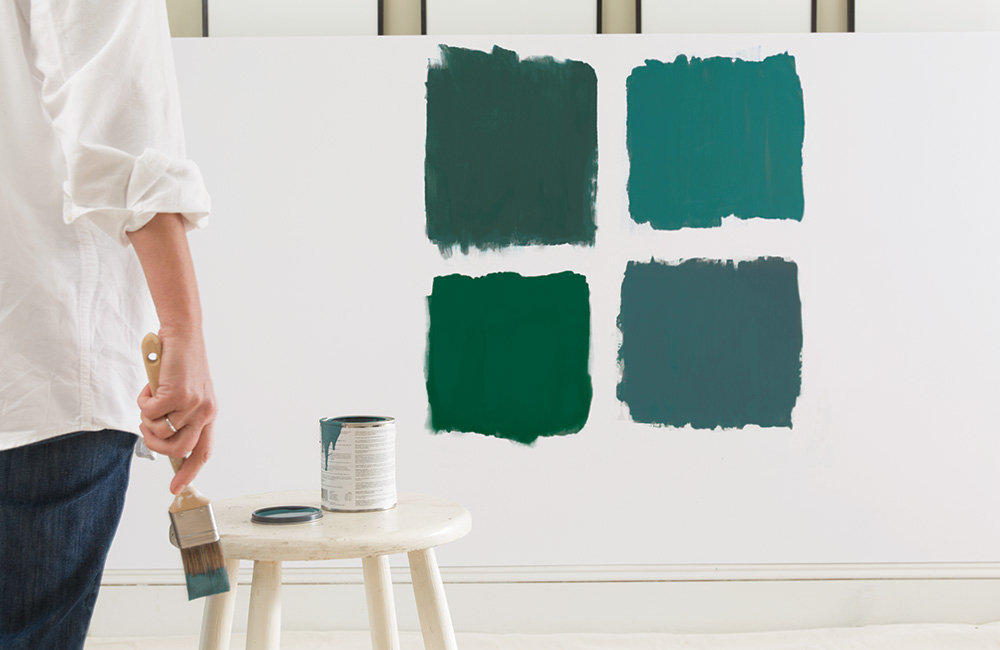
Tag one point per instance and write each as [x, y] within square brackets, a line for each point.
[205, 570]
[202, 559]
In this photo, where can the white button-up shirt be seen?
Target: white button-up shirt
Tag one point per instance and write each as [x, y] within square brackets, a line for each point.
[91, 147]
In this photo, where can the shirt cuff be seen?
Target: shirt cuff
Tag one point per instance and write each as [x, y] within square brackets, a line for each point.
[157, 184]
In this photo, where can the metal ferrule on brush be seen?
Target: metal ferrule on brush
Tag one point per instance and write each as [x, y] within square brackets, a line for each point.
[195, 527]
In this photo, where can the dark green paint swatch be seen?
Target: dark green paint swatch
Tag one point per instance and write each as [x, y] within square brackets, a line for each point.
[709, 138]
[511, 155]
[711, 344]
[508, 355]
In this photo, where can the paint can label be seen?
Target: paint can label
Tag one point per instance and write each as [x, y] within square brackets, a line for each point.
[358, 463]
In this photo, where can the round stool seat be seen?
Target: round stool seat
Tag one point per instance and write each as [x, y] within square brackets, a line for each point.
[417, 522]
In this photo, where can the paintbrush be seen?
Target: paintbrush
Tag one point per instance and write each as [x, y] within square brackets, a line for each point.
[191, 512]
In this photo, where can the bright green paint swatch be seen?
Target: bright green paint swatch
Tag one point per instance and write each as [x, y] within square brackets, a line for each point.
[511, 152]
[508, 355]
[710, 138]
[711, 344]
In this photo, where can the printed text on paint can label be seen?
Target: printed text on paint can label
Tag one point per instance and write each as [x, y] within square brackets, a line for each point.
[360, 474]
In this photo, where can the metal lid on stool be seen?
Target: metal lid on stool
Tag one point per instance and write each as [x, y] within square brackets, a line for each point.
[286, 515]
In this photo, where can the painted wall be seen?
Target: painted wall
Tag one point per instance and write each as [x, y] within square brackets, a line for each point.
[317, 267]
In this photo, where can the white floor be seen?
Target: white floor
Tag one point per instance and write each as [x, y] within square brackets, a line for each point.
[880, 637]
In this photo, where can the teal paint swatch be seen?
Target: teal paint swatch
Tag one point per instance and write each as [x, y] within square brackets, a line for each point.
[508, 355]
[511, 151]
[711, 344]
[710, 138]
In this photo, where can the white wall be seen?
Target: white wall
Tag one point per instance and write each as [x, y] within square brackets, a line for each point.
[891, 457]
[610, 600]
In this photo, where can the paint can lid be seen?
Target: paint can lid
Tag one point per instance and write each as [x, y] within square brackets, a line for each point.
[286, 515]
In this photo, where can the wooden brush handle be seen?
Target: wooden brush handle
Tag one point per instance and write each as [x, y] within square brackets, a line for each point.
[152, 353]
[152, 350]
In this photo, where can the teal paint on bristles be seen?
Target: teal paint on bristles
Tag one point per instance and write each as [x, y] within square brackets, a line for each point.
[201, 552]
[191, 518]
[206, 584]
[205, 570]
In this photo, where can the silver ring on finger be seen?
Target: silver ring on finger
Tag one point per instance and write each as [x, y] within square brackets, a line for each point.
[170, 424]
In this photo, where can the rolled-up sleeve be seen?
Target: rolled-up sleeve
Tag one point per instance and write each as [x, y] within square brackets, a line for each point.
[108, 83]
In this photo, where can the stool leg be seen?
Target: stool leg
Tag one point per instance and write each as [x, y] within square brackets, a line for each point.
[217, 619]
[432, 606]
[264, 620]
[381, 608]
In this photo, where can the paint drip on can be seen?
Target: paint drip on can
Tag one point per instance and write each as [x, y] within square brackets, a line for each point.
[358, 463]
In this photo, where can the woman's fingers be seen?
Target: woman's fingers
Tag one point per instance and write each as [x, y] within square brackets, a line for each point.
[193, 464]
[191, 440]
[178, 445]
[178, 420]
[161, 428]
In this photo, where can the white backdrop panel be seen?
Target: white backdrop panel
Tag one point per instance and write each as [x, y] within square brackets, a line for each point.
[926, 16]
[316, 268]
[511, 17]
[726, 16]
[293, 17]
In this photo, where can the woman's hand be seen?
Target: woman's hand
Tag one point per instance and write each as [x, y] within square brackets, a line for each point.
[185, 396]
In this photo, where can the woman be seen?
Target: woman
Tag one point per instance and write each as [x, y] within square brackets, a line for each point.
[96, 197]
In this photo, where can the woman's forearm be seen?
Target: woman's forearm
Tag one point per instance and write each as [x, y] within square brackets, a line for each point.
[179, 419]
[162, 248]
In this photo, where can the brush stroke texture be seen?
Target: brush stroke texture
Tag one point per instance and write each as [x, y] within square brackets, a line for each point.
[511, 151]
[711, 344]
[709, 138]
[508, 355]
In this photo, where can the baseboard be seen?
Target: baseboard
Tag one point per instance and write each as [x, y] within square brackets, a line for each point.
[609, 599]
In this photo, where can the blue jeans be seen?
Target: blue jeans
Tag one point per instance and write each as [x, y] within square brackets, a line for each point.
[60, 503]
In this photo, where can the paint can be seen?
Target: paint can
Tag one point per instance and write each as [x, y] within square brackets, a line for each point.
[358, 463]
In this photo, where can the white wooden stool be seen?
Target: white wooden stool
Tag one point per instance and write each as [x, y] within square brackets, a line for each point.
[414, 526]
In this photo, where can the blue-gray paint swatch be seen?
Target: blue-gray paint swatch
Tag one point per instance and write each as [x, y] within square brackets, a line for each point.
[710, 343]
